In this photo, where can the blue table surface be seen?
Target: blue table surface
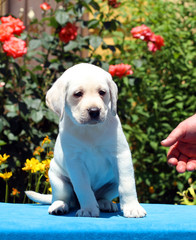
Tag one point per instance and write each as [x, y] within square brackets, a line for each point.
[32, 221]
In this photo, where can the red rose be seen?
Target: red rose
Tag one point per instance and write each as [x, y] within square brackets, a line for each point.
[45, 6]
[5, 32]
[142, 32]
[155, 43]
[15, 23]
[114, 3]
[15, 47]
[120, 70]
[68, 33]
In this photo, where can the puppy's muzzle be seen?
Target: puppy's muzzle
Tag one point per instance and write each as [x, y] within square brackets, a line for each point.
[94, 113]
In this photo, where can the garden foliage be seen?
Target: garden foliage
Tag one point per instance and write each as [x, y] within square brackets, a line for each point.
[154, 97]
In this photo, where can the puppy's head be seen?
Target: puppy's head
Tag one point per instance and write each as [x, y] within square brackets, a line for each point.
[86, 92]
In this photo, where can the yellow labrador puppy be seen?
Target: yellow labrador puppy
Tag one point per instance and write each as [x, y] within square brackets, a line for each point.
[92, 160]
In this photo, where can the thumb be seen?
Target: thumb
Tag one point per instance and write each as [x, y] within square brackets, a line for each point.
[178, 133]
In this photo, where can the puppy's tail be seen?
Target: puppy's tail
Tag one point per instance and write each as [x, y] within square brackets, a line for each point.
[40, 198]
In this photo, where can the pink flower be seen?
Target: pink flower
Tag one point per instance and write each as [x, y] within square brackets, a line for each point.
[155, 43]
[45, 6]
[120, 70]
[2, 84]
[15, 23]
[142, 32]
[15, 47]
[68, 33]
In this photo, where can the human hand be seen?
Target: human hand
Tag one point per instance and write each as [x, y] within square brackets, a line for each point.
[182, 143]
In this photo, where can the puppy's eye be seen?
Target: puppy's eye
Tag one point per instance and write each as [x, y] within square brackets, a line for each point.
[102, 92]
[78, 94]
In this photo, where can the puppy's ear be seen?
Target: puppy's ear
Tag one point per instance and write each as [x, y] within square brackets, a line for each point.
[113, 94]
[55, 97]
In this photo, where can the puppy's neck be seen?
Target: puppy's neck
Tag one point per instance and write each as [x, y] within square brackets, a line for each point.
[72, 127]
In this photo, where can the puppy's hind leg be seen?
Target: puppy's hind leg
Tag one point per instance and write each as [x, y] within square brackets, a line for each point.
[63, 196]
[105, 195]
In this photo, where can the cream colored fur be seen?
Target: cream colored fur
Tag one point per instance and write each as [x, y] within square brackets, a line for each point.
[92, 160]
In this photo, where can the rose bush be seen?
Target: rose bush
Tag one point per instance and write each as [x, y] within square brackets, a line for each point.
[148, 46]
[155, 42]
[12, 46]
[142, 32]
[15, 47]
[120, 70]
[114, 3]
[15, 23]
[5, 32]
[68, 33]
[45, 6]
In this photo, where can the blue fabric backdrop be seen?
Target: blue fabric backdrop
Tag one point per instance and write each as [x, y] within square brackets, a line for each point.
[32, 221]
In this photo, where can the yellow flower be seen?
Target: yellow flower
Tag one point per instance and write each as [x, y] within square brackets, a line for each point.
[6, 175]
[44, 165]
[3, 158]
[15, 192]
[32, 165]
[46, 140]
[50, 154]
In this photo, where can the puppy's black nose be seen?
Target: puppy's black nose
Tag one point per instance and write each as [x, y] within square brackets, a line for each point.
[94, 112]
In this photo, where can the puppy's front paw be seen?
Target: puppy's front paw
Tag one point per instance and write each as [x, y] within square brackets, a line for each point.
[58, 208]
[107, 206]
[134, 210]
[88, 212]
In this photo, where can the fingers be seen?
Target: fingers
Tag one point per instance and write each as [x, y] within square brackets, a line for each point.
[187, 149]
[178, 160]
[191, 165]
[172, 156]
[182, 143]
[186, 165]
[182, 164]
[172, 161]
[178, 133]
[178, 155]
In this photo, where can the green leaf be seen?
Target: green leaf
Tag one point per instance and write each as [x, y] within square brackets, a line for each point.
[52, 116]
[61, 17]
[70, 46]
[93, 23]
[12, 110]
[10, 136]
[95, 41]
[95, 5]
[37, 116]
[2, 143]
[34, 43]
[154, 145]
[169, 101]
[33, 103]
[54, 65]
[180, 105]
[1, 124]
[53, 22]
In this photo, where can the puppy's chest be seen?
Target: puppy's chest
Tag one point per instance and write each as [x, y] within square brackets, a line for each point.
[99, 164]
